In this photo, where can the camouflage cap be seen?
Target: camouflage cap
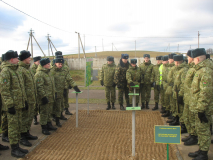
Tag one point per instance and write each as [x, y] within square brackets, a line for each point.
[159, 57]
[24, 55]
[146, 55]
[133, 61]
[58, 53]
[10, 54]
[59, 60]
[178, 57]
[110, 58]
[165, 58]
[198, 52]
[171, 56]
[44, 61]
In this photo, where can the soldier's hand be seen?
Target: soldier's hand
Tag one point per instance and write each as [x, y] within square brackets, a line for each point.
[12, 110]
[44, 100]
[102, 83]
[132, 84]
[118, 86]
[26, 106]
[180, 100]
[76, 89]
[202, 117]
[113, 85]
[65, 93]
[70, 87]
[158, 87]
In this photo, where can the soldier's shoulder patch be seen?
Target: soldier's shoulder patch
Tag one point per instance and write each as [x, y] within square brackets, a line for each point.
[5, 81]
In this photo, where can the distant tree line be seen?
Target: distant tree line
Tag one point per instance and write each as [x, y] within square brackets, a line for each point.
[209, 51]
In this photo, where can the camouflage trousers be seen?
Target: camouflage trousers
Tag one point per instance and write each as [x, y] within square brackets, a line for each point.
[145, 93]
[121, 92]
[131, 97]
[66, 100]
[203, 132]
[58, 107]
[45, 113]
[179, 111]
[14, 126]
[110, 94]
[30, 114]
[156, 94]
[166, 101]
[172, 102]
[36, 110]
[4, 122]
[162, 97]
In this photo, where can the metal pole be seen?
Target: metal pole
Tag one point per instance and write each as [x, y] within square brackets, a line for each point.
[78, 47]
[39, 47]
[76, 110]
[28, 43]
[51, 49]
[48, 45]
[133, 125]
[198, 38]
[53, 45]
[82, 46]
[31, 42]
[88, 100]
[167, 151]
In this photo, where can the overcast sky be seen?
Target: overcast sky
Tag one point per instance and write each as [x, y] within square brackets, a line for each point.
[153, 24]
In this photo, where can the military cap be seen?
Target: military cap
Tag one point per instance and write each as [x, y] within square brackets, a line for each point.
[133, 61]
[110, 58]
[189, 53]
[2, 57]
[171, 55]
[10, 54]
[59, 60]
[158, 57]
[58, 53]
[59, 56]
[198, 52]
[165, 58]
[178, 57]
[53, 61]
[124, 56]
[207, 56]
[44, 61]
[38, 58]
[24, 55]
[146, 55]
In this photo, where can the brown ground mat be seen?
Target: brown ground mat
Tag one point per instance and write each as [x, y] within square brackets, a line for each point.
[104, 135]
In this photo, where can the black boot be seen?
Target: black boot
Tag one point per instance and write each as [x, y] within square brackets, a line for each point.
[192, 141]
[24, 140]
[186, 139]
[50, 127]
[3, 147]
[44, 130]
[172, 120]
[15, 151]
[211, 141]
[147, 105]
[143, 105]
[211, 129]
[183, 128]
[203, 155]
[25, 151]
[176, 122]
[163, 110]
[113, 105]
[30, 137]
[5, 137]
[35, 122]
[108, 106]
[53, 119]
[122, 107]
[58, 122]
[62, 117]
[194, 154]
[67, 112]
[156, 106]
[170, 116]
[166, 114]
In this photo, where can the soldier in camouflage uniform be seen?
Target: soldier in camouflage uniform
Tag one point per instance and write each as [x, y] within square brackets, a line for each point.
[45, 86]
[107, 79]
[30, 90]
[188, 115]
[156, 75]
[13, 99]
[120, 80]
[36, 61]
[146, 81]
[202, 86]
[133, 77]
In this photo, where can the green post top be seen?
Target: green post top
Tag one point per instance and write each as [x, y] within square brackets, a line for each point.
[77, 92]
[136, 86]
[133, 108]
[133, 94]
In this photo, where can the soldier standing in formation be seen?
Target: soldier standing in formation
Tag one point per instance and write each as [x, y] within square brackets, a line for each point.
[107, 79]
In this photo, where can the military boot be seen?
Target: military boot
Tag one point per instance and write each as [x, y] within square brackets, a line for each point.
[113, 105]
[147, 105]
[211, 141]
[44, 130]
[156, 106]
[108, 106]
[183, 128]
[192, 141]
[62, 117]
[163, 110]
[24, 140]
[203, 155]
[143, 105]
[53, 119]
[166, 114]
[35, 122]
[67, 112]
[170, 116]
[50, 127]
[122, 107]
[176, 122]
[172, 120]
[5, 137]
[25, 151]
[186, 139]
[3, 147]
[15, 151]
[58, 122]
[194, 154]
[30, 137]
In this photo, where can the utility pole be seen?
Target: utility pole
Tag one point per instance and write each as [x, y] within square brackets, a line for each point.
[48, 38]
[80, 43]
[198, 38]
[135, 48]
[78, 46]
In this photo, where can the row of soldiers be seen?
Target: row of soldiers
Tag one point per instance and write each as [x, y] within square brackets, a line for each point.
[26, 91]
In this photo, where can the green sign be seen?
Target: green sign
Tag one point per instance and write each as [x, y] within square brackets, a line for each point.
[168, 134]
[133, 108]
[89, 71]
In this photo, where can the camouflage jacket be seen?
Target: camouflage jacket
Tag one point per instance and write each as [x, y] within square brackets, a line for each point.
[45, 84]
[120, 73]
[29, 83]
[170, 78]
[156, 73]
[133, 75]
[202, 86]
[107, 74]
[146, 72]
[34, 68]
[164, 77]
[61, 76]
[188, 81]
[179, 80]
[11, 87]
